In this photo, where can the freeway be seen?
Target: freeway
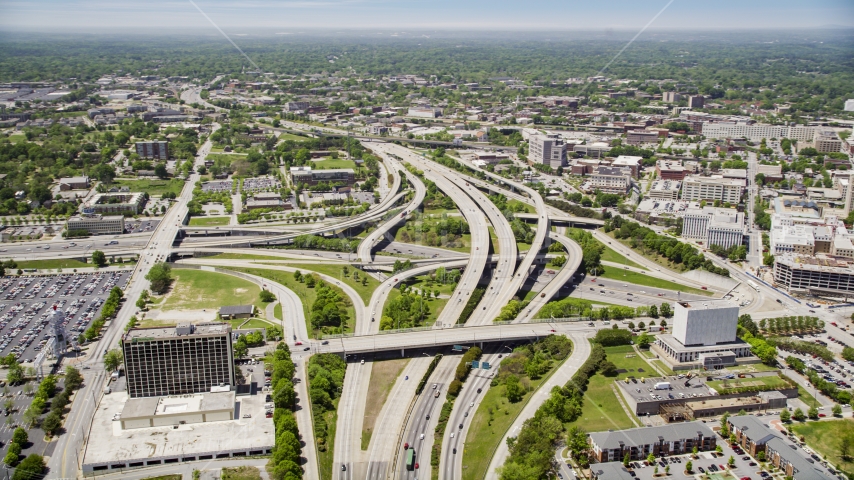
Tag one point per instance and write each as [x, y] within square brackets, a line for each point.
[477, 226]
[62, 463]
[390, 422]
[373, 213]
[127, 244]
[580, 352]
[497, 292]
[422, 420]
[365, 247]
[466, 404]
[562, 278]
[436, 337]
[509, 289]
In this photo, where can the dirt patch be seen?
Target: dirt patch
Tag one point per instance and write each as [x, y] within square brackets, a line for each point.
[383, 376]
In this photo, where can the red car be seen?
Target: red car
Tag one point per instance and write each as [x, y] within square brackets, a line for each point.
[406, 446]
[298, 343]
[416, 466]
[704, 288]
[821, 415]
[660, 294]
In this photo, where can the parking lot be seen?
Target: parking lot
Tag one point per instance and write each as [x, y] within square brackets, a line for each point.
[21, 401]
[260, 183]
[707, 462]
[217, 186]
[840, 372]
[26, 303]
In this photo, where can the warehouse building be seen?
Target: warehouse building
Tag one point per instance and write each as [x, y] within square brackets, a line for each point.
[178, 410]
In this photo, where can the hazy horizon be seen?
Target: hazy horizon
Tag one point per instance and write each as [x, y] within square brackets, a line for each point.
[264, 17]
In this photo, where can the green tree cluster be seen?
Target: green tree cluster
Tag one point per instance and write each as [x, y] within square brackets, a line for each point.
[326, 378]
[111, 307]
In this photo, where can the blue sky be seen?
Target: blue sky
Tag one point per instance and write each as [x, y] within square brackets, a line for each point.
[290, 16]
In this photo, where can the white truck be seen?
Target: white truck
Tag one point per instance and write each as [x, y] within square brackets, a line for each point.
[662, 386]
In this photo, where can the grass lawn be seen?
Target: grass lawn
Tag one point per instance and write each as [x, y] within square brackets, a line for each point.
[325, 458]
[56, 263]
[277, 312]
[806, 397]
[662, 366]
[825, 437]
[330, 163]
[209, 221]
[436, 306]
[424, 282]
[493, 240]
[17, 138]
[494, 416]
[152, 187]
[306, 295]
[649, 281]
[290, 136]
[336, 271]
[601, 410]
[253, 323]
[440, 211]
[244, 472]
[610, 255]
[225, 157]
[195, 289]
[526, 208]
[383, 376]
[165, 477]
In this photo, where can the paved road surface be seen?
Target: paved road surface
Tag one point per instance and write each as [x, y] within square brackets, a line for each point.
[580, 352]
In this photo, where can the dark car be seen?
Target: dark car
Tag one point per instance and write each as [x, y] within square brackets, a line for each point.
[306, 349]
[461, 426]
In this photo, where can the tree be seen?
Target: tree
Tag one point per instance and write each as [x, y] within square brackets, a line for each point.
[761, 456]
[665, 311]
[11, 457]
[695, 451]
[812, 413]
[15, 373]
[650, 459]
[98, 258]
[799, 415]
[653, 312]
[51, 423]
[31, 467]
[689, 466]
[667, 469]
[160, 277]
[785, 416]
[140, 303]
[267, 296]
[160, 170]
[298, 276]
[608, 369]
[837, 410]
[719, 449]
[240, 347]
[113, 359]
[73, 379]
[20, 436]
[644, 340]
[513, 390]
[731, 461]
[627, 459]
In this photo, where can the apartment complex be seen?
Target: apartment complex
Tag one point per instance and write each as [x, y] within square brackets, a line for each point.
[115, 203]
[727, 190]
[157, 149]
[638, 443]
[754, 436]
[182, 360]
[714, 226]
[756, 132]
[547, 150]
[96, 224]
[696, 101]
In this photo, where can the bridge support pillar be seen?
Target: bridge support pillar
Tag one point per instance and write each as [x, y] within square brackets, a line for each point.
[402, 353]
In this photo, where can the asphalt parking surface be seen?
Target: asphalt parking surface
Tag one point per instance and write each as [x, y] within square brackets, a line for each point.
[26, 303]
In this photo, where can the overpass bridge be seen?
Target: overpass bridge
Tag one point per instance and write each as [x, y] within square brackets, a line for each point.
[432, 337]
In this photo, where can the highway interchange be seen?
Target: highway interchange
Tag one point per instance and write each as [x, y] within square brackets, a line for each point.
[403, 418]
